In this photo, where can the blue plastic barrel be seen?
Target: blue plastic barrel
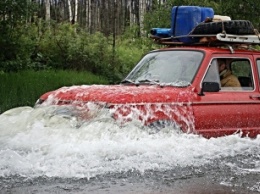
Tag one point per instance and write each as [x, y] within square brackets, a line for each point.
[161, 32]
[206, 12]
[185, 18]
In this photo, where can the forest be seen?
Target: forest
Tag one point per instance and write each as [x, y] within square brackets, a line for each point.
[104, 37]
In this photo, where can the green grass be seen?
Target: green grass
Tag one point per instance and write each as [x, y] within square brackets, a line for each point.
[24, 88]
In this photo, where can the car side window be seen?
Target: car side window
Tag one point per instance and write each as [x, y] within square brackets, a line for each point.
[258, 67]
[212, 73]
[231, 74]
[243, 71]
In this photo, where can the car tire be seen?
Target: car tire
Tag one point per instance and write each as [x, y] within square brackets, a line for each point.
[238, 27]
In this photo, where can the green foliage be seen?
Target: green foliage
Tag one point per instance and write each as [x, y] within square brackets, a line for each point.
[13, 17]
[129, 50]
[15, 50]
[242, 10]
[15, 12]
[66, 46]
[25, 87]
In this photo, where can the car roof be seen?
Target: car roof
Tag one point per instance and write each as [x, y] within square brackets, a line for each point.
[239, 50]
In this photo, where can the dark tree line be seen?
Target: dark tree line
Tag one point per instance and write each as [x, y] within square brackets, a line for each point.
[107, 16]
[110, 16]
[114, 16]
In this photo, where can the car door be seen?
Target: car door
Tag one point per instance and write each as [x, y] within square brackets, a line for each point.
[254, 107]
[224, 112]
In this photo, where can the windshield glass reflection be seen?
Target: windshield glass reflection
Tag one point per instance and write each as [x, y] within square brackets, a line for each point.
[176, 68]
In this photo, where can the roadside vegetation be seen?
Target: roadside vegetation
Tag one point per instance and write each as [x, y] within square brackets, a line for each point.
[39, 59]
[23, 88]
[68, 47]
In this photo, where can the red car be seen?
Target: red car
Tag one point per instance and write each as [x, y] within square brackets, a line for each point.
[179, 87]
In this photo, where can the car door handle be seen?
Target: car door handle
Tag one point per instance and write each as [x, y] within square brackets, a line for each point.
[255, 97]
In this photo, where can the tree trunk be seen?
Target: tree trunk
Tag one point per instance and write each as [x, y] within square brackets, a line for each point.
[70, 12]
[142, 10]
[132, 14]
[87, 18]
[47, 10]
[114, 26]
[89, 15]
[76, 12]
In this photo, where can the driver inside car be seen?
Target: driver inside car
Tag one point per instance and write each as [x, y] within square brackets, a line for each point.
[227, 79]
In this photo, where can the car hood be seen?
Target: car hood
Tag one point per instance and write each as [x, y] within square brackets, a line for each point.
[119, 94]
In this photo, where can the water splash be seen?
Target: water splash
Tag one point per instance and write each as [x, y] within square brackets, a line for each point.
[39, 143]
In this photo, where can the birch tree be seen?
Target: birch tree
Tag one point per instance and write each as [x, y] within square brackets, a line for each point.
[76, 11]
[131, 7]
[47, 10]
[88, 15]
[70, 11]
[142, 10]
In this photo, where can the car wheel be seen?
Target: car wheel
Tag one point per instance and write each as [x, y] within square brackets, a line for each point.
[238, 27]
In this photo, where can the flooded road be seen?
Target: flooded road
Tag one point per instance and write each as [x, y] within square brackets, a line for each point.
[43, 153]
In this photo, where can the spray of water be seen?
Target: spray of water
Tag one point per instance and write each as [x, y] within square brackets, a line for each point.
[51, 142]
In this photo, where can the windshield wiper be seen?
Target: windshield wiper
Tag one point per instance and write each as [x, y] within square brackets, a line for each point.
[150, 81]
[127, 81]
[137, 82]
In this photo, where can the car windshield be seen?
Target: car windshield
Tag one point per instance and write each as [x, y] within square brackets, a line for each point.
[176, 68]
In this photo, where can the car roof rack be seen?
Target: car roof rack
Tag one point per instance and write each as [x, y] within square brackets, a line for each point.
[219, 39]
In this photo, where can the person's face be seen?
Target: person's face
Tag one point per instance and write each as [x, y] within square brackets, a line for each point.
[221, 67]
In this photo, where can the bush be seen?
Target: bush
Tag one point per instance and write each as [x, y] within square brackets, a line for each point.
[40, 46]
[66, 46]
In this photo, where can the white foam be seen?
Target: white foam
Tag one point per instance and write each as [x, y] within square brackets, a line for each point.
[35, 143]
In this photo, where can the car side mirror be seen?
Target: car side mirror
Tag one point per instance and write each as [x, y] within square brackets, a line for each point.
[209, 87]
